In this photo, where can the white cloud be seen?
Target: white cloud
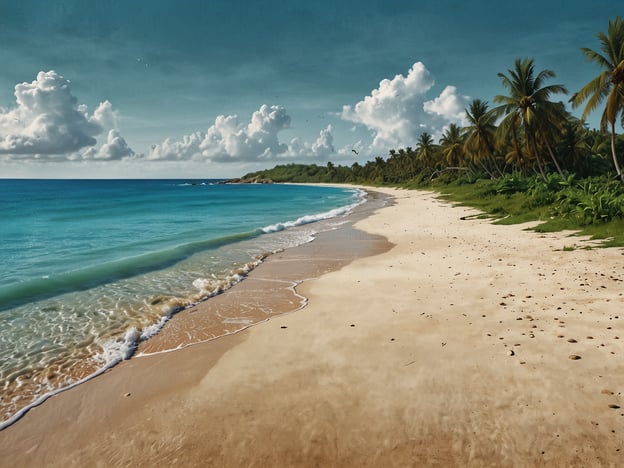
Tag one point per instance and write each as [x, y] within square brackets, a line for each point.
[48, 123]
[115, 149]
[46, 120]
[171, 150]
[324, 144]
[105, 116]
[229, 140]
[321, 148]
[448, 105]
[397, 112]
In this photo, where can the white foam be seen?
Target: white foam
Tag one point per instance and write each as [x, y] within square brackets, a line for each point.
[317, 217]
[115, 350]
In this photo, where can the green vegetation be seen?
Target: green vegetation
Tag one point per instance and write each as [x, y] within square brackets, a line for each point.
[528, 159]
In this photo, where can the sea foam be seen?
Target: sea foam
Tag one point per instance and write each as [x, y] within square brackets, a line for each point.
[317, 217]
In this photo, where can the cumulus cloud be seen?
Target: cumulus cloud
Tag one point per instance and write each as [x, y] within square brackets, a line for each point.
[115, 149]
[230, 140]
[398, 111]
[449, 105]
[324, 144]
[104, 115]
[172, 150]
[320, 148]
[47, 122]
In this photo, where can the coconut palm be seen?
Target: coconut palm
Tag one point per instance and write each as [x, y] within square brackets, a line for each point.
[425, 149]
[528, 108]
[479, 134]
[574, 145]
[608, 84]
[452, 145]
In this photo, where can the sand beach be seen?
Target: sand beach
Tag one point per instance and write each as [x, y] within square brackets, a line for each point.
[446, 341]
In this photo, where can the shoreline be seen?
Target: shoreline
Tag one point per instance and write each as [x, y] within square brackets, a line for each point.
[453, 348]
[218, 315]
[212, 326]
[270, 289]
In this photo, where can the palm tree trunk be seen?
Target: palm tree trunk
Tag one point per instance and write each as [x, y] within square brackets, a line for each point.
[516, 142]
[483, 166]
[615, 161]
[552, 156]
[537, 157]
[495, 164]
[492, 157]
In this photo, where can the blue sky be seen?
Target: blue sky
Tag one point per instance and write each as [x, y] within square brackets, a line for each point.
[196, 88]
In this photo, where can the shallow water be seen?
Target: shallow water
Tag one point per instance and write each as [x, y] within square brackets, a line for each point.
[91, 268]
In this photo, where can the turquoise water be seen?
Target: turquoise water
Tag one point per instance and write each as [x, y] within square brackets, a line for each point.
[90, 268]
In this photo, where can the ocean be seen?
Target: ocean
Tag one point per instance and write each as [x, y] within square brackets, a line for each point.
[89, 268]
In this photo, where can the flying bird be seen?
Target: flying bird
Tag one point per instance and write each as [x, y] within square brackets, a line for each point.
[355, 151]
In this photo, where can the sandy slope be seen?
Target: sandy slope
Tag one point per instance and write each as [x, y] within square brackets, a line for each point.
[452, 349]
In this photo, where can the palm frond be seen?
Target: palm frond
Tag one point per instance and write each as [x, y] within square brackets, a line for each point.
[593, 56]
[596, 90]
[543, 76]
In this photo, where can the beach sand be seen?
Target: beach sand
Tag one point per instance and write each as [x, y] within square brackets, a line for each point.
[466, 344]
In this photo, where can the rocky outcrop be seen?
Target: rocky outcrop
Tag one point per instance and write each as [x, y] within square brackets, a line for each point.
[253, 180]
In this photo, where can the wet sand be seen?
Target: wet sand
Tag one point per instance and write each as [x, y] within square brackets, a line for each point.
[270, 289]
[466, 344]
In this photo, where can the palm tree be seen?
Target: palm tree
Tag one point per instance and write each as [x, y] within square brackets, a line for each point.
[452, 145]
[528, 107]
[480, 134]
[574, 145]
[608, 84]
[425, 149]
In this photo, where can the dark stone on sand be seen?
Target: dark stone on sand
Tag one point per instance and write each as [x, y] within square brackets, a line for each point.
[574, 357]
[612, 406]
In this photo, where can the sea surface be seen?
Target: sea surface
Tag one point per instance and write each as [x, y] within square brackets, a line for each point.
[89, 268]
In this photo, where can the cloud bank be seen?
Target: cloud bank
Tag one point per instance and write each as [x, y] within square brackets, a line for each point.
[230, 140]
[397, 112]
[47, 122]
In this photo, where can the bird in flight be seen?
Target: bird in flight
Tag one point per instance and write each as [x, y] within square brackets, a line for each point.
[355, 151]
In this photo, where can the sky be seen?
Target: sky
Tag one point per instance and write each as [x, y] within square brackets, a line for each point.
[216, 89]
